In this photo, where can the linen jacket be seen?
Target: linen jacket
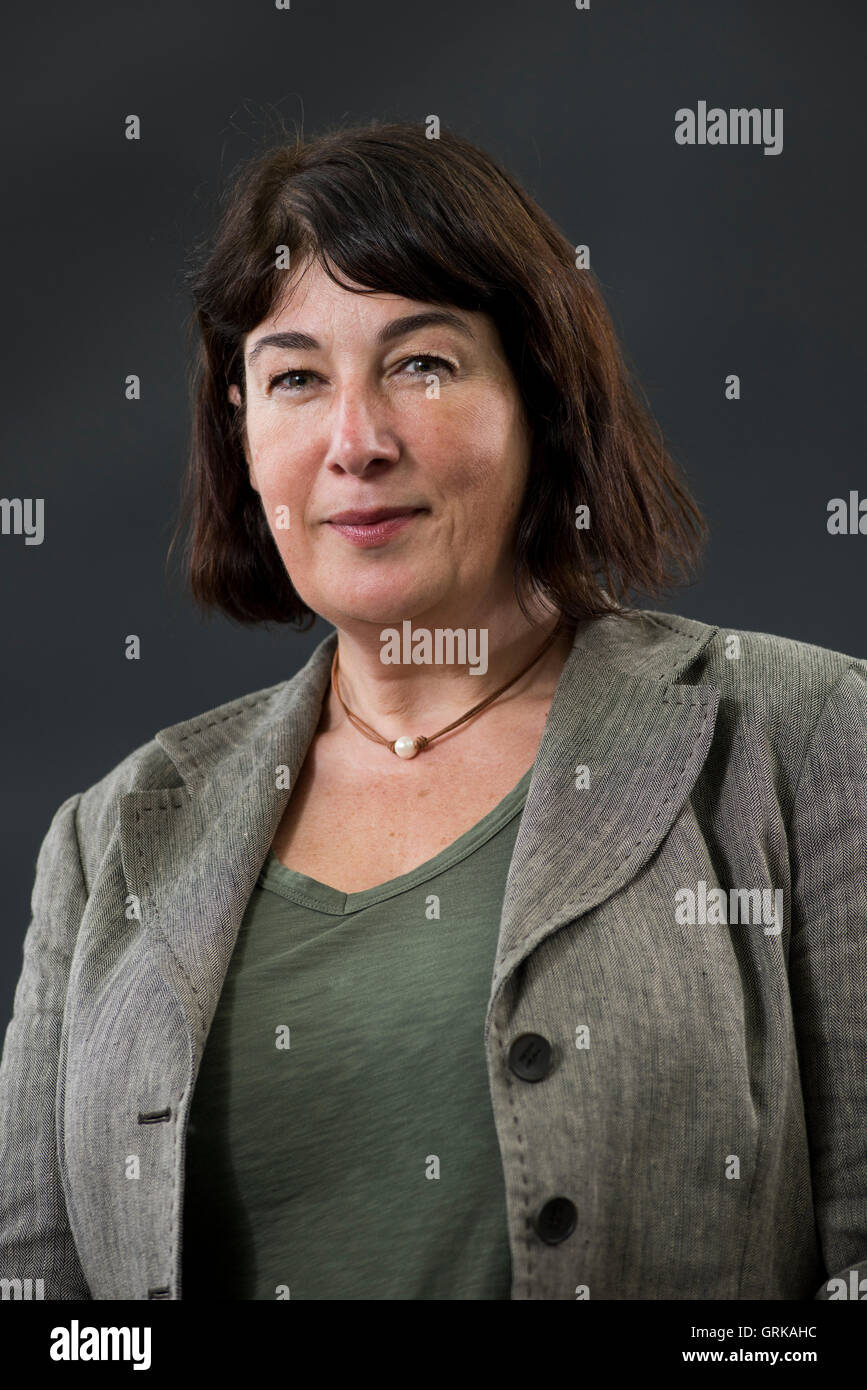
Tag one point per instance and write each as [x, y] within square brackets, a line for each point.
[699, 1129]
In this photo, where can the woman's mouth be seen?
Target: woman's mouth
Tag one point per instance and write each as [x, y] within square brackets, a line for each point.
[373, 527]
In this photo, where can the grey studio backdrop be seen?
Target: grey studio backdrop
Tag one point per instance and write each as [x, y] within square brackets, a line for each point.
[714, 260]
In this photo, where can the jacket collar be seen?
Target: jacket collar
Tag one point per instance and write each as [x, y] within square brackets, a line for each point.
[192, 853]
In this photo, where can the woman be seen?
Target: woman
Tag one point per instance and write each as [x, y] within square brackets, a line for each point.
[513, 948]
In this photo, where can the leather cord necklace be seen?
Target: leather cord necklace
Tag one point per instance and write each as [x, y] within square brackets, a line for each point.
[406, 746]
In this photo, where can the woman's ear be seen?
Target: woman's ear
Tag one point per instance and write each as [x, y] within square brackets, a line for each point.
[237, 401]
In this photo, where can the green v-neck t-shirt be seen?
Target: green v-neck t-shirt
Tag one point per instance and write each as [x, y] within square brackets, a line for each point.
[341, 1140]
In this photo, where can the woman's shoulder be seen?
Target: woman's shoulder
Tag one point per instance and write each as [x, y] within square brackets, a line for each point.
[177, 752]
[669, 645]
[784, 695]
[150, 766]
[762, 669]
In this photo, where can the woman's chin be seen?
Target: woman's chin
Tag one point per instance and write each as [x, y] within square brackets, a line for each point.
[365, 600]
[379, 615]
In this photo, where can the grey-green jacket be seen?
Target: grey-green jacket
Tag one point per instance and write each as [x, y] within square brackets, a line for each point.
[684, 924]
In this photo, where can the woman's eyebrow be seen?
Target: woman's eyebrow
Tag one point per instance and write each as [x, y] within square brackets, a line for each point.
[397, 328]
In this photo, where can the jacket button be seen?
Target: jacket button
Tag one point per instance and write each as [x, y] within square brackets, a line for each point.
[530, 1057]
[557, 1220]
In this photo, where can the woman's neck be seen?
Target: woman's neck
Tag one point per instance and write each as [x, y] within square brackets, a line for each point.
[410, 677]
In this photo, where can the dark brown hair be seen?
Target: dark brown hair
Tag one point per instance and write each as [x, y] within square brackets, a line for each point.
[439, 221]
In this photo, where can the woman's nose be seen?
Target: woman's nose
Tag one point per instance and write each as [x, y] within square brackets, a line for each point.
[362, 431]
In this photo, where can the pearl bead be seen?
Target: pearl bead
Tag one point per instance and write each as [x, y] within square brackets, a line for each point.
[405, 747]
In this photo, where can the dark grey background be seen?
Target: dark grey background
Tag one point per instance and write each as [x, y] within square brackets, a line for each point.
[714, 260]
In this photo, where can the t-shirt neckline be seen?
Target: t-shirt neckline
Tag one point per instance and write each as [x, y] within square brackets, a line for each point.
[309, 892]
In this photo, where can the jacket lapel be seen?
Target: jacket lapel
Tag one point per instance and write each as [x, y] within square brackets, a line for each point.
[642, 742]
[191, 853]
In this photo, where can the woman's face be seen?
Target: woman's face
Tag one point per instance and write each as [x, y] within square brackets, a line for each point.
[357, 411]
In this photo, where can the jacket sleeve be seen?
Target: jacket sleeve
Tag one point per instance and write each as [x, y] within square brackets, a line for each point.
[35, 1237]
[828, 975]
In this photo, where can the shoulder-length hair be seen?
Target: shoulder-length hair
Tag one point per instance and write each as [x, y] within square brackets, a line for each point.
[438, 221]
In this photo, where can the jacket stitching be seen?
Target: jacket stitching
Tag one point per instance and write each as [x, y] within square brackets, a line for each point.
[525, 1194]
[649, 830]
[173, 1213]
[156, 915]
[224, 718]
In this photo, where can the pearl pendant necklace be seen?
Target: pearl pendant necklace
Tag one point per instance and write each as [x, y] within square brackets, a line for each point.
[406, 746]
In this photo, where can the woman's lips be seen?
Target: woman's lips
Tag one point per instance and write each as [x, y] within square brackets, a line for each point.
[373, 532]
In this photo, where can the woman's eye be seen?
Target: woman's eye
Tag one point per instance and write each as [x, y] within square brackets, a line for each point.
[430, 358]
[297, 379]
[283, 377]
